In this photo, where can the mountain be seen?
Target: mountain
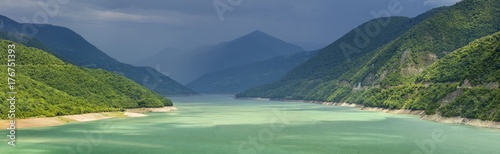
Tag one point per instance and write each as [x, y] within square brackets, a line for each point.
[237, 79]
[71, 47]
[191, 64]
[386, 75]
[310, 46]
[331, 62]
[477, 67]
[174, 62]
[47, 86]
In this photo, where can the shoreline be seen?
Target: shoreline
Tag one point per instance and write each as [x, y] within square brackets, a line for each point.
[38, 122]
[435, 117]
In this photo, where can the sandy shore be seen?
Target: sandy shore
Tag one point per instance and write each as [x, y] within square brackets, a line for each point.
[61, 120]
[464, 121]
[398, 111]
[423, 116]
[145, 110]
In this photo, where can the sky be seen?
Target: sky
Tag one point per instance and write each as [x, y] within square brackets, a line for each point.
[130, 30]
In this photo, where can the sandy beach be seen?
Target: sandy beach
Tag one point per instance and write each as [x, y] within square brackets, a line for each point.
[145, 110]
[61, 120]
[423, 116]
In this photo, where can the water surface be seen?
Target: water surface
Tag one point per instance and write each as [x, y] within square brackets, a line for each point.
[221, 124]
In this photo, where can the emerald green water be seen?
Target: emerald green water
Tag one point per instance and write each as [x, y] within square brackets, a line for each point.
[221, 124]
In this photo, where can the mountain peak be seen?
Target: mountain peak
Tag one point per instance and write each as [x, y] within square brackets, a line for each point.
[262, 37]
[257, 34]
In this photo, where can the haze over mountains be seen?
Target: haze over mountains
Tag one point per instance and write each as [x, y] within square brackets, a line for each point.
[71, 47]
[187, 65]
[263, 59]
[310, 46]
[239, 78]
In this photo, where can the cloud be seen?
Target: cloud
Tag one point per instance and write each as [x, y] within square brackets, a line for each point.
[440, 2]
[172, 12]
[117, 16]
[17, 4]
[131, 15]
[190, 23]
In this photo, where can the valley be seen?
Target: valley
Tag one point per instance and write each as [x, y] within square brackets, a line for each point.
[263, 77]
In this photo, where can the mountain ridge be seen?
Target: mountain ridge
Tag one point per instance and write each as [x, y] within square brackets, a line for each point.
[387, 76]
[48, 86]
[191, 64]
[69, 45]
[237, 79]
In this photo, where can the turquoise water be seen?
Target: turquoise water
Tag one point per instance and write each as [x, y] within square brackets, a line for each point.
[221, 124]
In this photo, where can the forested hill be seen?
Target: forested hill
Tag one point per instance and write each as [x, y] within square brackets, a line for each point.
[48, 86]
[389, 76]
[463, 83]
[477, 67]
[362, 40]
[71, 47]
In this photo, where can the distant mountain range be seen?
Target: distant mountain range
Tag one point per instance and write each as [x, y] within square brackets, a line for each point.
[187, 65]
[444, 61]
[237, 79]
[71, 47]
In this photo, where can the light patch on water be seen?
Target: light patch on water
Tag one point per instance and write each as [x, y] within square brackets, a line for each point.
[241, 114]
[75, 141]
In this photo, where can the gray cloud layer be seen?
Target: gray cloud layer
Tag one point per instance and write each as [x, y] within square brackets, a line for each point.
[130, 29]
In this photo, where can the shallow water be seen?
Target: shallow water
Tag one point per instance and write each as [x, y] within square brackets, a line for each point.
[221, 124]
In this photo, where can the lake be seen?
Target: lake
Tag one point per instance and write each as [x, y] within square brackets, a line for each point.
[221, 124]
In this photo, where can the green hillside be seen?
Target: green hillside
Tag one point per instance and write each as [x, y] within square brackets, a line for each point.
[47, 86]
[463, 83]
[387, 76]
[477, 67]
[315, 79]
[434, 38]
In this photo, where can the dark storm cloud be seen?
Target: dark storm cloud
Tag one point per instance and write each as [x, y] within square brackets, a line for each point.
[130, 29]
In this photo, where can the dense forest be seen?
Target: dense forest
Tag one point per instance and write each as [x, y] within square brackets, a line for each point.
[418, 67]
[47, 86]
[463, 83]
